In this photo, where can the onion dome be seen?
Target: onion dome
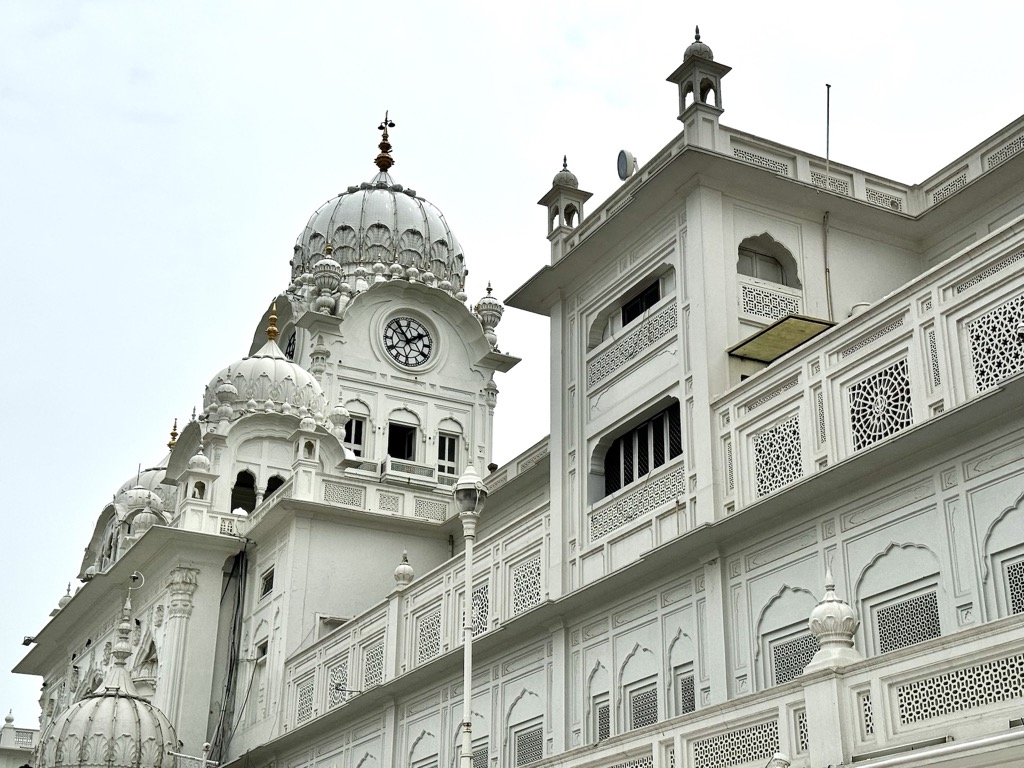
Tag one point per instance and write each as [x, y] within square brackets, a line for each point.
[112, 727]
[138, 497]
[199, 462]
[833, 622]
[489, 311]
[697, 48]
[267, 379]
[147, 484]
[377, 221]
[66, 598]
[565, 177]
[144, 520]
[404, 573]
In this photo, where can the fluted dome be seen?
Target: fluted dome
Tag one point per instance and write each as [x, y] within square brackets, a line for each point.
[113, 727]
[264, 381]
[697, 48]
[565, 177]
[147, 484]
[380, 222]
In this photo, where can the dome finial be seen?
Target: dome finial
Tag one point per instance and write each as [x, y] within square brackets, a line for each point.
[272, 328]
[696, 33]
[384, 160]
[565, 162]
[174, 436]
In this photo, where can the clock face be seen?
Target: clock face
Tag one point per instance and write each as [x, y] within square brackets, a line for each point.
[408, 341]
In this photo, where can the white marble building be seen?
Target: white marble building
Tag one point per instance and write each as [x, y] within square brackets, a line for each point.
[778, 518]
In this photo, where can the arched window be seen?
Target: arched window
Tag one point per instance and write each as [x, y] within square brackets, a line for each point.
[273, 484]
[243, 494]
[643, 448]
[763, 258]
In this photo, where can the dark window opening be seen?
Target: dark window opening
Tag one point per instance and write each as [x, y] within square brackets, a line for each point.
[243, 494]
[354, 429]
[642, 449]
[289, 349]
[274, 483]
[639, 304]
[266, 583]
[401, 442]
[261, 650]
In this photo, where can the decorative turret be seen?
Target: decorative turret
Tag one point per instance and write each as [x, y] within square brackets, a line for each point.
[489, 311]
[404, 574]
[833, 622]
[699, 79]
[112, 727]
[564, 203]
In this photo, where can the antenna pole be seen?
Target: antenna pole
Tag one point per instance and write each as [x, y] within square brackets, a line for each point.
[828, 120]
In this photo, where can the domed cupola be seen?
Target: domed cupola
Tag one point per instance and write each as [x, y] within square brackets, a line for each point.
[113, 727]
[373, 232]
[264, 382]
[697, 48]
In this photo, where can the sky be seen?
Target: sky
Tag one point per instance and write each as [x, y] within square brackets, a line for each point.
[158, 160]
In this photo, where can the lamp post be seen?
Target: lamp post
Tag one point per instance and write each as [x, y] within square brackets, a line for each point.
[470, 495]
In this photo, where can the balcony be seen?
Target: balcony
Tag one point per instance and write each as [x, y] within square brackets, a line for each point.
[937, 343]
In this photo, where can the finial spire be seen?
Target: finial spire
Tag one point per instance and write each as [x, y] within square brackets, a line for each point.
[489, 288]
[174, 436]
[384, 160]
[565, 162]
[272, 328]
[696, 33]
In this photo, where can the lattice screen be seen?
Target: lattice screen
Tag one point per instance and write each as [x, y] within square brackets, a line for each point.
[996, 354]
[480, 756]
[867, 713]
[631, 345]
[803, 742]
[1014, 573]
[603, 716]
[647, 761]
[529, 745]
[777, 456]
[340, 493]
[908, 622]
[337, 684]
[763, 302]
[304, 702]
[744, 745]
[480, 605]
[527, 588]
[687, 695]
[643, 707]
[373, 665]
[791, 657]
[962, 689]
[633, 505]
[880, 405]
[428, 636]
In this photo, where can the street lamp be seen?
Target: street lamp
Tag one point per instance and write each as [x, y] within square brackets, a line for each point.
[470, 495]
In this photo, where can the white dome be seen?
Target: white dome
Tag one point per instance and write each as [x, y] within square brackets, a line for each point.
[147, 484]
[113, 727]
[380, 222]
[264, 381]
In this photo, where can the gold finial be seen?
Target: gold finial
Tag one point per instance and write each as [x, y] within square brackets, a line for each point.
[272, 328]
[174, 436]
[384, 160]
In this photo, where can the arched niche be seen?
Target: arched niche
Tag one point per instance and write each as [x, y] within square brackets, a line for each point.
[608, 321]
[757, 256]
[781, 622]
[243, 492]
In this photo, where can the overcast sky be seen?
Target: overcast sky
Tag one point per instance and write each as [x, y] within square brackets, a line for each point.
[157, 161]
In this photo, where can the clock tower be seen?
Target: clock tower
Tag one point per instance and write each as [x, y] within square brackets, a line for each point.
[377, 311]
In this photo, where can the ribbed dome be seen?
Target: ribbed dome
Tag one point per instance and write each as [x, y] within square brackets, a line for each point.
[264, 381]
[113, 727]
[378, 222]
[147, 484]
[565, 177]
[697, 48]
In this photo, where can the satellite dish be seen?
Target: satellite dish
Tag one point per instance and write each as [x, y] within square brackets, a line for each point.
[626, 164]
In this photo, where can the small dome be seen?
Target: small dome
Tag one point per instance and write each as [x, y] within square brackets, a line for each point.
[404, 573]
[199, 462]
[267, 378]
[565, 177]
[65, 599]
[9, 718]
[144, 520]
[113, 727]
[697, 48]
[833, 622]
[137, 497]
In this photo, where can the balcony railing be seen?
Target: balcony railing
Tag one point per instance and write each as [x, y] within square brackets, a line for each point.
[933, 345]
